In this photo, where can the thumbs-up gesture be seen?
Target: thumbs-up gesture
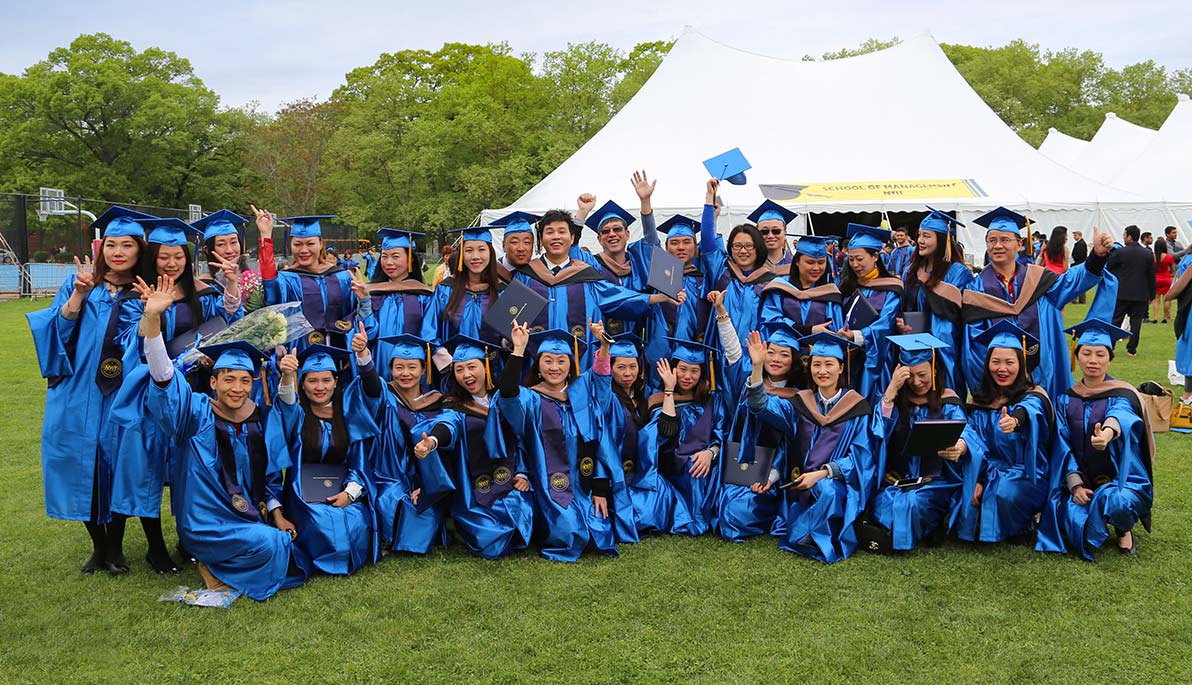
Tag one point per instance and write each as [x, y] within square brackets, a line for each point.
[425, 446]
[288, 363]
[1007, 423]
[1102, 242]
[360, 340]
[1101, 437]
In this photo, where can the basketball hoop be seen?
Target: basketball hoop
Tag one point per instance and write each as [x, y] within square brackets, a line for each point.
[42, 215]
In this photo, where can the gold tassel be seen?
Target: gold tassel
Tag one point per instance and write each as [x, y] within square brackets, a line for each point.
[933, 369]
[428, 363]
[948, 244]
[711, 373]
[459, 265]
[1072, 352]
[488, 373]
[575, 347]
[265, 387]
[1024, 350]
[1030, 239]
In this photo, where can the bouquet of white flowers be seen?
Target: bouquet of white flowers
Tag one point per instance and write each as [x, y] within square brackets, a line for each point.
[264, 329]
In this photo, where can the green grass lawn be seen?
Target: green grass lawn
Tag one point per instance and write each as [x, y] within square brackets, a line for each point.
[668, 609]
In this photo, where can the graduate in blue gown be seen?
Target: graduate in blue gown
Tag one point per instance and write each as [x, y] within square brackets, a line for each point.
[653, 506]
[621, 262]
[688, 418]
[1033, 298]
[224, 250]
[396, 407]
[139, 471]
[462, 299]
[332, 299]
[745, 511]
[899, 259]
[832, 473]
[328, 431]
[740, 274]
[575, 291]
[915, 491]
[772, 221]
[1182, 295]
[1010, 439]
[225, 497]
[400, 300]
[85, 340]
[555, 420]
[806, 299]
[1105, 477]
[934, 279]
[865, 276]
[835, 260]
[517, 242]
[490, 501]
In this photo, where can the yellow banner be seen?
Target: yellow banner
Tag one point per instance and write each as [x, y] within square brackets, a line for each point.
[874, 190]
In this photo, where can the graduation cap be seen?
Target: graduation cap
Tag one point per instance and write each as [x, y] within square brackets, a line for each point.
[481, 233]
[769, 211]
[831, 240]
[223, 222]
[918, 348]
[396, 238]
[729, 166]
[464, 348]
[825, 344]
[867, 237]
[321, 358]
[813, 246]
[306, 226]
[411, 348]
[1097, 332]
[118, 222]
[236, 356]
[1005, 334]
[782, 334]
[939, 222]
[167, 231]
[558, 341]
[1005, 220]
[679, 226]
[691, 352]
[518, 222]
[608, 211]
[626, 345]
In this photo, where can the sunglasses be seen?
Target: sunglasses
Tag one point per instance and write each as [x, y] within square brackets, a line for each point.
[615, 229]
[772, 231]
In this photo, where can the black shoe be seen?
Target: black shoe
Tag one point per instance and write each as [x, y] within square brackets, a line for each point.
[185, 554]
[164, 566]
[117, 567]
[1132, 549]
[1164, 320]
[93, 564]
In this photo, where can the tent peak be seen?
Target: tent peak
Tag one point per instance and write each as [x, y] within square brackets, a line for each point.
[1181, 97]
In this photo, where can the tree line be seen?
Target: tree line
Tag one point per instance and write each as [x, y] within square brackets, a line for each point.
[426, 139]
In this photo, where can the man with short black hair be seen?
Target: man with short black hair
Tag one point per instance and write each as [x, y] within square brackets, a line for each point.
[1080, 252]
[1134, 265]
[1174, 248]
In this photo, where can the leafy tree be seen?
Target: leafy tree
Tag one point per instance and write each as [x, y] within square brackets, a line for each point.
[287, 152]
[870, 45]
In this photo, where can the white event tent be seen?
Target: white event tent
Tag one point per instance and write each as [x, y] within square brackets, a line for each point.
[1114, 145]
[902, 115]
[1164, 167]
[1063, 148]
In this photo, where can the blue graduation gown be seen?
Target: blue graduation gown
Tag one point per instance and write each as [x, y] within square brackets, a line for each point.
[655, 506]
[219, 514]
[397, 308]
[819, 521]
[899, 260]
[1183, 323]
[491, 517]
[333, 540]
[466, 320]
[913, 514]
[74, 463]
[1037, 307]
[551, 431]
[742, 294]
[638, 254]
[1013, 467]
[942, 304]
[701, 425]
[885, 296]
[327, 302]
[1119, 476]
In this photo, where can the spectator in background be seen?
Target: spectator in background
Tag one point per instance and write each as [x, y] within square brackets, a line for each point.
[1174, 248]
[1164, 269]
[1147, 240]
[1134, 265]
[1080, 252]
[441, 270]
[1054, 255]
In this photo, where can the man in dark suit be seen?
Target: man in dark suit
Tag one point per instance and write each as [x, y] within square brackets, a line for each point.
[1134, 266]
[1080, 252]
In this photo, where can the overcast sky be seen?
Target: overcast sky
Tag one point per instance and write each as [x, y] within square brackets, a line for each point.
[273, 52]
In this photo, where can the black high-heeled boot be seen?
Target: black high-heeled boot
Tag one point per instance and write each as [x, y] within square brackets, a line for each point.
[98, 544]
[158, 555]
[114, 548]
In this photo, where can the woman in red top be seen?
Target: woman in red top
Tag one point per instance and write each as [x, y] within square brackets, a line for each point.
[1164, 266]
[1054, 255]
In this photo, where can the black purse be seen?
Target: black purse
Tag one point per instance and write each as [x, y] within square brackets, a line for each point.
[873, 538]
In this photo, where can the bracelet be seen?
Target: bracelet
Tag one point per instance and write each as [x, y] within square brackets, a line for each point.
[668, 392]
[724, 317]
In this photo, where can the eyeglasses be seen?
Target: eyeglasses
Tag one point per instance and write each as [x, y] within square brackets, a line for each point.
[772, 231]
[614, 229]
[743, 247]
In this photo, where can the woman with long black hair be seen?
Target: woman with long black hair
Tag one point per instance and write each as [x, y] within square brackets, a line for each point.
[868, 324]
[461, 300]
[400, 299]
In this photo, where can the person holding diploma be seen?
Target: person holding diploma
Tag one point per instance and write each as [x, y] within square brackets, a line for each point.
[865, 278]
[1105, 480]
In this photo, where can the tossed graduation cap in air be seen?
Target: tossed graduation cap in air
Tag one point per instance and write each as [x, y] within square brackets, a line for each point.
[306, 226]
[518, 222]
[626, 345]
[1005, 334]
[679, 226]
[918, 348]
[867, 237]
[558, 341]
[728, 166]
[465, 349]
[608, 211]
[167, 231]
[782, 334]
[215, 224]
[813, 246]
[770, 210]
[118, 222]
[410, 348]
[691, 352]
[321, 358]
[941, 222]
[481, 233]
[237, 356]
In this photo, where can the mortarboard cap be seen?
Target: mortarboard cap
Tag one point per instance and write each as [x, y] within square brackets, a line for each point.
[215, 224]
[729, 166]
[1002, 219]
[238, 356]
[465, 348]
[406, 346]
[917, 348]
[1007, 335]
[679, 226]
[626, 345]
[770, 210]
[306, 226]
[867, 237]
[781, 333]
[120, 221]
[393, 238]
[826, 345]
[1097, 332]
[518, 222]
[813, 246]
[939, 222]
[608, 211]
[167, 231]
[481, 233]
[321, 358]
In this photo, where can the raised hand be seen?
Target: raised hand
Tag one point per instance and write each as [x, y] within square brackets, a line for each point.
[157, 298]
[230, 270]
[264, 221]
[425, 446]
[901, 375]
[360, 340]
[1102, 242]
[1007, 423]
[520, 337]
[825, 327]
[586, 202]
[642, 185]
[716, 299]
[666, 375]
[85, 279]
[712, 188]
[757, 349]
[288, 364]
[597, 328]
[359, 287]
